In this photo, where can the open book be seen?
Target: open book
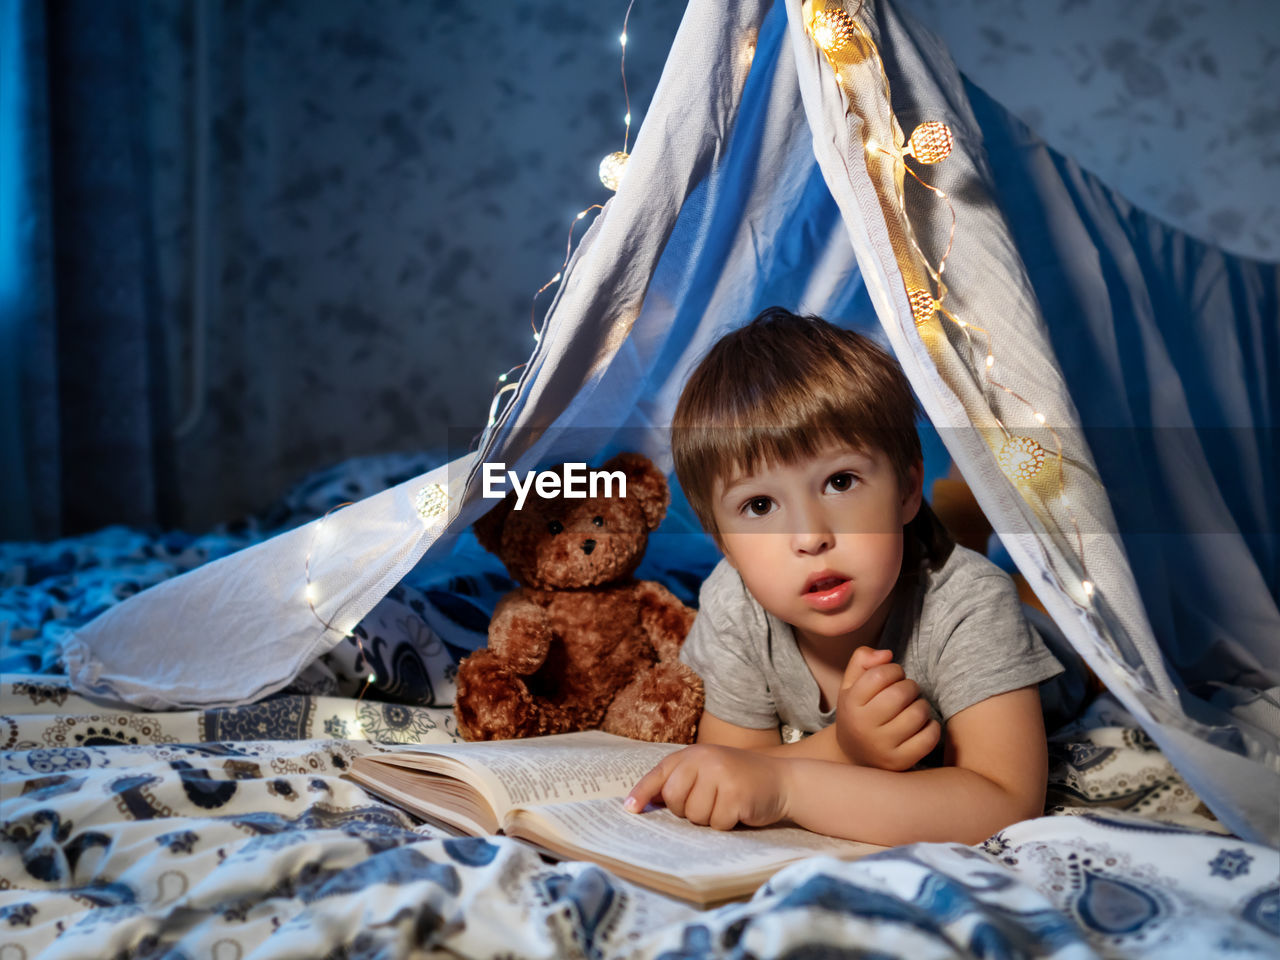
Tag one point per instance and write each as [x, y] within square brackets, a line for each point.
[564, 794]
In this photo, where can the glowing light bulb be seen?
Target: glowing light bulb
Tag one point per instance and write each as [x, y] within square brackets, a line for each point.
[930, 142]
[431, 501]
[612, 169]
[627, 118]
[1088, 587]
[923, 306]
[1039, 416]
[373, 678]
[1021, 458]
[311, 594]
[832, 30]
[623, 39]
[991, 361]
[502, 378]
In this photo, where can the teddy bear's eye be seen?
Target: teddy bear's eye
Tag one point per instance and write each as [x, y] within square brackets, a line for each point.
[554, 527]
[598, 521]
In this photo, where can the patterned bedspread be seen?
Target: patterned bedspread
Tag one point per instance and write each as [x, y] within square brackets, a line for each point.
[233, 834]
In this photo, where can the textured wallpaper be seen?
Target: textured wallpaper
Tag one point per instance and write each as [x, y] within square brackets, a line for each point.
[1174, 103]
[367, 194]
[388, 182]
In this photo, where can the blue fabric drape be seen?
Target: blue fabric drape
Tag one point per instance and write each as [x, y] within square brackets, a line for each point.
[83, 417]
[1172, 351]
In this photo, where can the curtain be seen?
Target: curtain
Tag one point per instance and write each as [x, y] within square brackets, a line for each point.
[84, 411]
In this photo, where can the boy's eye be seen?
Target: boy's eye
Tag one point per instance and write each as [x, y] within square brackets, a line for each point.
[841, 482]
[759, 506]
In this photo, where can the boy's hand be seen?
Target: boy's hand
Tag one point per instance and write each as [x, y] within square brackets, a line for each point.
[716, 786]
[881, 719]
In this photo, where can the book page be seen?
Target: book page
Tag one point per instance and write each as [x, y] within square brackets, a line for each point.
[659, 841]
[564, 767]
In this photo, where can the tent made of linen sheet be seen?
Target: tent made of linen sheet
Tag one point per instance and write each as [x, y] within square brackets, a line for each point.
[1104, 384]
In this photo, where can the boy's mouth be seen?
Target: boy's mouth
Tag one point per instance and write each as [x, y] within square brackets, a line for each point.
[828, 592]
[824, 582]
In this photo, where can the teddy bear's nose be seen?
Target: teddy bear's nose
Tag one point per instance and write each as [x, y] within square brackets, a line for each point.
[588, 546]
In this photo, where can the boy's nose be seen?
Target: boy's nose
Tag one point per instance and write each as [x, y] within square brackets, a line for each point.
[814, 534]
[812, 542]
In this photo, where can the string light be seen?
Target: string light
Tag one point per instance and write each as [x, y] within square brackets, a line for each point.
[309, 591]
[930, 142]
[312, 594]
[1021, 458]
[614, 165]
[612, 169]
[431, 502]
[834, 31]
[923, 307]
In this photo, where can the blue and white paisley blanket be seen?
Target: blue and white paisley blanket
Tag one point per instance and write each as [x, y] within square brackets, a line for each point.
[232, 834]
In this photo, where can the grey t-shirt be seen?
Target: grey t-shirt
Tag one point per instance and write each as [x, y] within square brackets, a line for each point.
[959, 633]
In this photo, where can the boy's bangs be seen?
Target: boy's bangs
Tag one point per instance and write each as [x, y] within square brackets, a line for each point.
[725, 452]
[750, 449]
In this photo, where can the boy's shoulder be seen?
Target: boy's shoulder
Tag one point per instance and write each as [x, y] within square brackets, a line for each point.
[725, 597]
[966, 569]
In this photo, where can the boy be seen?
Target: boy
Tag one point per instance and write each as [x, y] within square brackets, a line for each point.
[841, 609]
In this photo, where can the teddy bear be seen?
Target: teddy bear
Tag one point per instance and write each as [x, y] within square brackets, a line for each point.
[581, 643]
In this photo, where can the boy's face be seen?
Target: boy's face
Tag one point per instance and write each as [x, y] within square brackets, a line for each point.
[819, 542]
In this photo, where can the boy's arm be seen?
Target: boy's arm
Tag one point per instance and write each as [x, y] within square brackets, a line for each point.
[882, 721]
[999, 752]
[820, 746]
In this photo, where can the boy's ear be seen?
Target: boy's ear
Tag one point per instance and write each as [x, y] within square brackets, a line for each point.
[914, 493]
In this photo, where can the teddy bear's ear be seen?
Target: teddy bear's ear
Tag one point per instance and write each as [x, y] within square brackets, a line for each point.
[645, 484]
[489, 527]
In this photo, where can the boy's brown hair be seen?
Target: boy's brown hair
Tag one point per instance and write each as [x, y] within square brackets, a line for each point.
[782, 388]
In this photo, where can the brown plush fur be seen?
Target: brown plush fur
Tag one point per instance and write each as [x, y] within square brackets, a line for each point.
[582, 644]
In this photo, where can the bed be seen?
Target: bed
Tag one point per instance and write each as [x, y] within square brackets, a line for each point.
[233, 833]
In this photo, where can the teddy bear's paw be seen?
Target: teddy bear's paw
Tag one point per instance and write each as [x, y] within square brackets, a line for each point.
[493, 703]
[520, 633]
[663, 704]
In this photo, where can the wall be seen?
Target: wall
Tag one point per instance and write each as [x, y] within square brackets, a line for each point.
[386, 183]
